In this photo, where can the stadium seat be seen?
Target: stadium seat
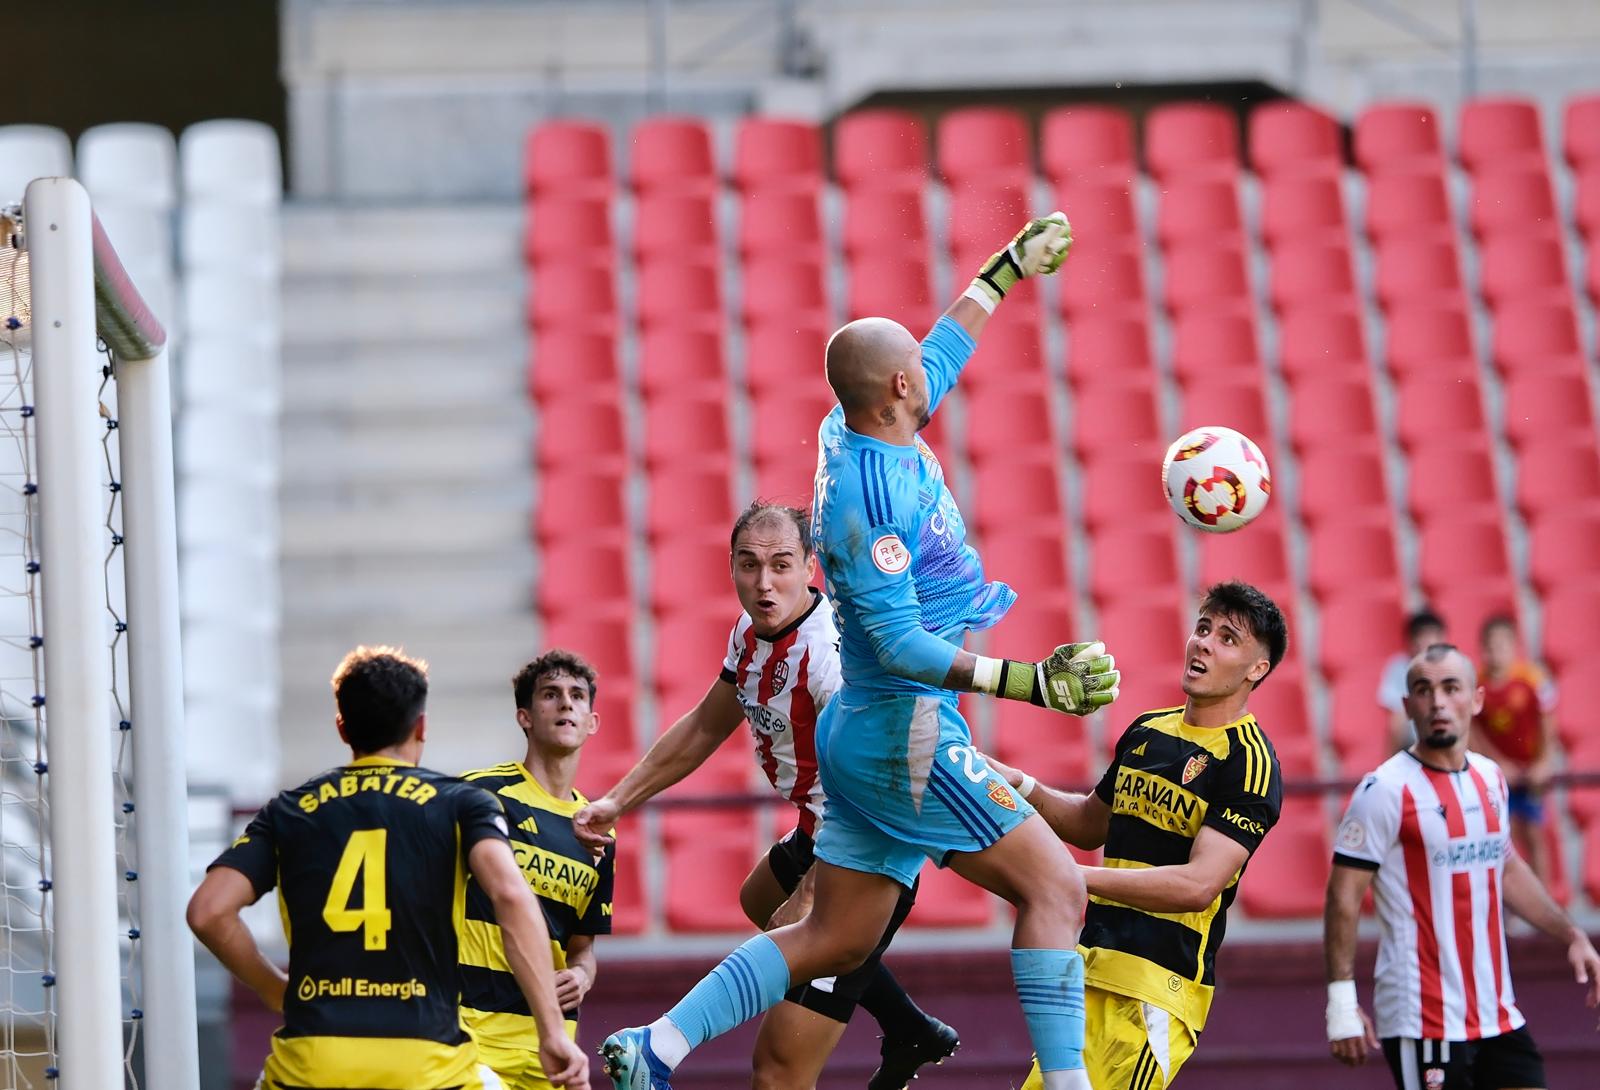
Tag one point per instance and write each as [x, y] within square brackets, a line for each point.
[1355, 623]
[1579, 696]
[1495, 131]
[787, 478]
[999, 422]
[1280, 709]
[1103, 281]
[678, 295]
[690, 644]
[1287, 876]
[1291, 137]
[1121, 487]
[125, 165]
[1586, 203]
[945, 899]
[607, 643]
[1513, 201]
[1310, 273]
[1557, 471]
[1536, 336]
[571, 360]
[784, 427]
[679, 428]
[1206, 274]
[685, 572]
[1108, 418]
[878, 221]
[576, 297]
[1339, 478]
[984, 144]
[781, 356]
[1207, 340]
[1320, 340]
[1037, 620]
[1537, 405]
[568, 158]
[1516, 266]
[675, 360]
[1147, 631]
[672, 154]
[1132, 564]
[1302, 206]
[1449, 478]
[1359, 727]
[984, 216]
[1339, 403]
[1191, 137]
[875, 149]
[892, 286]
[578, 430]
[32, 151]
[1426, 334]
[565, 230]
[583, 577]
[1101, 209]
[1397, 135]
[1439, 407]
[1466, 550]
[1002, 488]
[675, 228]
[1087, 141]
[708, 855]
[1470, 602]
[1028, 737]
[781, 221]
[1011, 351]
[1563, 546]
[230, 160]
[1111, 348]
[1030, 556]
[685, 497]
[1259, 557]
[773, 153]
[1418, 270]
[1352, 553]
[1198, 208]
[1591, 275]
[776, 290]
[1232, 398]
[1571, 618]
[1407, 203]
[632, 900]
[576, 502]
[1580, 129]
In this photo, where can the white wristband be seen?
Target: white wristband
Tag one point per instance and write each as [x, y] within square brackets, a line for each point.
[1344, 1011]
[986, 675]
[979, 296]
[1025, 788]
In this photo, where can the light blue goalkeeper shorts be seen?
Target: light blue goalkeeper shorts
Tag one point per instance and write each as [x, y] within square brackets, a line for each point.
[904, 784]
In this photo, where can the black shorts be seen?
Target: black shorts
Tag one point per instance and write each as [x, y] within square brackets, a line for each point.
[831, 997]
[1489, 1063]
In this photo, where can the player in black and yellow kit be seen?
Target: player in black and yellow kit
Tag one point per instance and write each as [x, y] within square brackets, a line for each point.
[370, 861]
[554, 697]
[1189, 796]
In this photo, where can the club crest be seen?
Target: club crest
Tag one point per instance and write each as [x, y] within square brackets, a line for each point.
[780, 676]
[1195, 766]
[1001, 795]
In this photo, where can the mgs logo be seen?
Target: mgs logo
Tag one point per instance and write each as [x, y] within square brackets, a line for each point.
[780, 676]
[1195, 766]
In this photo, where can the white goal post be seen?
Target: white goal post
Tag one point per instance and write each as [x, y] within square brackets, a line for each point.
[80, 292]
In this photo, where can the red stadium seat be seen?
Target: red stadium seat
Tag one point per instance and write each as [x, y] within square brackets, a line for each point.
[1259, 557]
[1027, 737]
[708, 855]
[1296, 206]
[675, 228]
[574, 297]
[1579, 696]
[1418, 270]
[891, 286]
[1513, 201]
[1354, 626]
[1466, 551]
[775, 290]
[877, 221]
[781, 356]
[685, 498]
[1536, 336]
[1564, 545]
[1037, 620]
[1147, 633]
[585, 577]
[1205, 341]
[1010, 351]
[1571, 618]
[1341, 480]
[783, 428]
[1198, 208]
[1407, 203]
[1100, 208]
[880, 149]
[1556, 472]
[1288, 875]
[1591, 276]
[671, 360]
[1205, 275]
[1191, 137]
[1132, 563]
[1310, 273]
[1360, 727]
[672, 153]
[1086, 142]
[1518, 266]
[1470, 602]
[1586, 203]
[1580, 129]
[1291, 137]
[686, 571]
[945, 899]
[772, 153]
[1450, 478]
[999, 422]
[1108, 418]
[1397, 134]
[1002, 488]
[1339, 404]
[679, 428]
[788, 479]
[607, 644]
[1123, 488]
[1495, 130]
[984, 144]
[1234, 399]
[1421, 336]
[1280, 709]
[1031, 557]
[1356, 552]
[781, 221]
[984, 216]
[581, 431]
[673, 295]
[1109, 348]
[1317, 341]
[568, 158]
[565, 229]
[579, 503]
[1439, 407]
[1103, 281]
[691, 641]
[571, 360]
[1537, 405]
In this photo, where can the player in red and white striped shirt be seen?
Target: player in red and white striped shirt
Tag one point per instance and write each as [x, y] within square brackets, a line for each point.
[1428, 832]
[781, 667]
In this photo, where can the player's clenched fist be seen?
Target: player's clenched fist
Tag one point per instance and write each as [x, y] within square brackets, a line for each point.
[1037, 250]
[593, 823]
[1077, 678]
[564, 1063]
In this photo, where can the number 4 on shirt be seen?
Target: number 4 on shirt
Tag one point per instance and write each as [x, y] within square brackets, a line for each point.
[363, 854]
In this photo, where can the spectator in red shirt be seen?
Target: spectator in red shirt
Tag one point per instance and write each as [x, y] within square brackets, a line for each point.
[1517, 728]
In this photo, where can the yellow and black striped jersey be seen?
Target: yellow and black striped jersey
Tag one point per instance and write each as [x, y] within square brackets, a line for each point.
[1168, 780]
[369, 861]
[573, 887]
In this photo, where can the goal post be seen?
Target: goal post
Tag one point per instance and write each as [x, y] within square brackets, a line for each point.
[80, 292]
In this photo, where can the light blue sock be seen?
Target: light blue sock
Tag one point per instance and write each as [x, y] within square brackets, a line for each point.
[747, 982]
[1050, 985]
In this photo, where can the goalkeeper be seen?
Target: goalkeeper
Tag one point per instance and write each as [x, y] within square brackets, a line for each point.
[902, 779]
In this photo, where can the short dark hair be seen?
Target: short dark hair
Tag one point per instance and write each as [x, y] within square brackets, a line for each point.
[1437, 652]
[1498, 620]
[555, 661]
[765, 510]
[1259, 614]
[380, 692]
[1422, 620]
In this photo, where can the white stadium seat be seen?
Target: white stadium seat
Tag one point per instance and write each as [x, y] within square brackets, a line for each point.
[28, 152]
[233, 161]
[129, 164]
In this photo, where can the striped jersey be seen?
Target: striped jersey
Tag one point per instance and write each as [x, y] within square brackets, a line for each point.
[1167, 781]
[782, 681]
[1439, 842]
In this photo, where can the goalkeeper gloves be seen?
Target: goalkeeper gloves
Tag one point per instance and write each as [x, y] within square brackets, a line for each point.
[1077, 678]
[1038, 250]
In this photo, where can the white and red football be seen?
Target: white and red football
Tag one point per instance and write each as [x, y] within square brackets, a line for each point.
[1216, 479]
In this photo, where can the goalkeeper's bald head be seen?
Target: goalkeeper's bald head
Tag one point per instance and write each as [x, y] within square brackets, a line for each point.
[864, 359]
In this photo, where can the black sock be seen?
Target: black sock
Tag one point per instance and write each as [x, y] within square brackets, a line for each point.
[894, 1011]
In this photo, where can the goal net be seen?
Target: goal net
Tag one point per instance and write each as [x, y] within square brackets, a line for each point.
[96, 967]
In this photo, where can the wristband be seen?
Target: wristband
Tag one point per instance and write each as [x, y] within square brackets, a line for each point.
[1344, 1011]
[980, 296]
[1006, 678]
[1025, 788]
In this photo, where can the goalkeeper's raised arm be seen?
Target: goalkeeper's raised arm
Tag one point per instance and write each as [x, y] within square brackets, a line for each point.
[1037, 250]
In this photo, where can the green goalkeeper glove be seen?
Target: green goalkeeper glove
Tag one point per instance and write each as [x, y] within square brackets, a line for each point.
[1077, 678]
[1038, 250]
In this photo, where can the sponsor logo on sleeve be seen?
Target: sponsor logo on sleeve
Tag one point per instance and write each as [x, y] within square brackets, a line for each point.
[890, 555]
[1352, 836]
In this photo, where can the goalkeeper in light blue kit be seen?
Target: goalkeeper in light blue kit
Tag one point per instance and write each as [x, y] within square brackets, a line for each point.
[902, 778]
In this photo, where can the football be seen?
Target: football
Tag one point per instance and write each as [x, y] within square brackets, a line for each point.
[1216, 479]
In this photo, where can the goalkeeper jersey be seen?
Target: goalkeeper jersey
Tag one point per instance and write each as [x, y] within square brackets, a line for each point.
[905, 584]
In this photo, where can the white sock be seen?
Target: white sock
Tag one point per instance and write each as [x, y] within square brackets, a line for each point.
[671, 1046]
[1066, 1080]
